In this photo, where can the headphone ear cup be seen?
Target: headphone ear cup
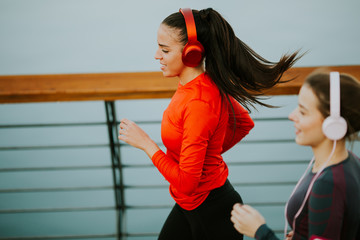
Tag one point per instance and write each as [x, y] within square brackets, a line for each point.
[334, 128]
[193, 54]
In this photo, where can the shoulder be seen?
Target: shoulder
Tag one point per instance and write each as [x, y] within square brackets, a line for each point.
[353, 162]
[331, 181]
[202, 88]
[201, 92]
[352, 172]
[325, 183]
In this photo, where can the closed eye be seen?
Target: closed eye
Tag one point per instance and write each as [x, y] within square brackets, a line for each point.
[303, 110]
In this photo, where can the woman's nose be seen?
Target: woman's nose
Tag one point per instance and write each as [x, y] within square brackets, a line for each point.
[157, 55]
[292, 115]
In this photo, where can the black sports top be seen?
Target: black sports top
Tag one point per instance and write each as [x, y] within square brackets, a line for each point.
[332, 210]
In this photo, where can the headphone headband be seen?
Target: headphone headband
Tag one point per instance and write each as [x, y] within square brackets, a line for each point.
[193, 52]
[334, 126]
[190, 24]
[334, 94]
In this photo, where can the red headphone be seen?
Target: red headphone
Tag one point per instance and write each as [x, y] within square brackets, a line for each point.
[193, 51]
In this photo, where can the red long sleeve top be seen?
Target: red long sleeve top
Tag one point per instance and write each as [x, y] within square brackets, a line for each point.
[197, 127]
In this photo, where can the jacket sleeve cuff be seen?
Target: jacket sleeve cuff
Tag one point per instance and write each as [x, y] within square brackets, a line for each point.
[155, 158]
[264, 232]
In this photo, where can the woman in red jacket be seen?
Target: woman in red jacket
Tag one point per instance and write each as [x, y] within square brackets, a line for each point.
[216, 72]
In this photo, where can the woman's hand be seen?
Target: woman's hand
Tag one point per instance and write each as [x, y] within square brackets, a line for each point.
[246, 219]
[132, 134]
[290, 235]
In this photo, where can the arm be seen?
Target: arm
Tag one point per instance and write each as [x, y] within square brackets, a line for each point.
[184, 180]
[237, 128]
[197, 130]
[326, 208]
[248, 221]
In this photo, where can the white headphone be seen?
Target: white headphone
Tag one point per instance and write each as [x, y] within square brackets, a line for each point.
[334, 126]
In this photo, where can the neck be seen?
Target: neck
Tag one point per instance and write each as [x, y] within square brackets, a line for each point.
[189, 73]
[323, 151]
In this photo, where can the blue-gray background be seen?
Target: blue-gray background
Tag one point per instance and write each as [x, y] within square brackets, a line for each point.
[76, 36]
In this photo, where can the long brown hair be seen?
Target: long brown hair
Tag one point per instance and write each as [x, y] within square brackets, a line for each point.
[236, 69]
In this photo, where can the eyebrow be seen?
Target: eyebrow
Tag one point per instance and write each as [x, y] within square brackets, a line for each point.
[162, 45]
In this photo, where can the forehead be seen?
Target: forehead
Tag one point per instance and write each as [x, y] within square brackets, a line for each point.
[307, 98]
[168, 36]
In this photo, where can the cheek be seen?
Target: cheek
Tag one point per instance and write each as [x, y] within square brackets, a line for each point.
[316, 133]
[311, 133]
[313, 126]
[175, 63]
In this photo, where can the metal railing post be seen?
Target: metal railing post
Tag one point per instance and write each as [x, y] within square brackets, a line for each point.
[116, 167]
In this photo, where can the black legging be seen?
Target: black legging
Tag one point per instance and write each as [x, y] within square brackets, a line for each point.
[211, 220]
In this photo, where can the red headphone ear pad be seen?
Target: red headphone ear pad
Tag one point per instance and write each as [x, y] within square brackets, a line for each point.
[193, 54]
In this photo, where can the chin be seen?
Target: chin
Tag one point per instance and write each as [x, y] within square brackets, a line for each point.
[166, 74]
[304, 143]
[299, 142]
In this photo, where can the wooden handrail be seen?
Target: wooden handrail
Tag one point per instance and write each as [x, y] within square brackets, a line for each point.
[116, 86]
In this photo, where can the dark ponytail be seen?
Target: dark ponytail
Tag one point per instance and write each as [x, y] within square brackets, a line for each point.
[235, 68]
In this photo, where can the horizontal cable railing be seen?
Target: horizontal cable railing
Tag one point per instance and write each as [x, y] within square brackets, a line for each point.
[110, 87]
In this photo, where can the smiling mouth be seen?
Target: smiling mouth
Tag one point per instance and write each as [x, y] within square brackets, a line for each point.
[297, 130]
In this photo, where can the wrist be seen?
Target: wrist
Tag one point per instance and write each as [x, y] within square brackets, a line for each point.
[151, 148]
